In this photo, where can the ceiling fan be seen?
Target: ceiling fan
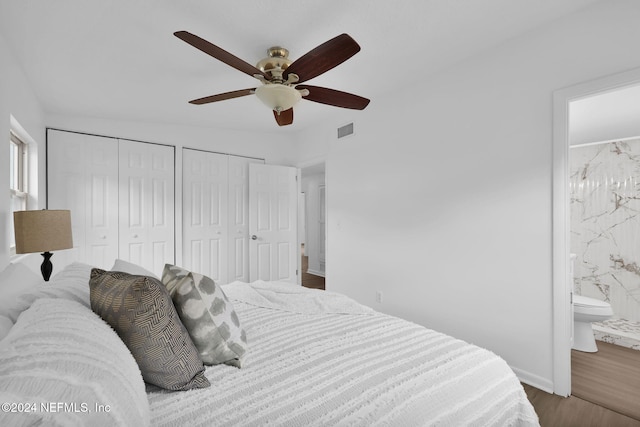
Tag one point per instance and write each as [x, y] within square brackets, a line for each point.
[281, 77]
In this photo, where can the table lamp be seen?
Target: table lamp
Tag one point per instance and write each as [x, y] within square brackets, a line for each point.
[42, 231]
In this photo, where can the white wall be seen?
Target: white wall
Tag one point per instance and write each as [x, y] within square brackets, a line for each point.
[17, 99]
[443, 203]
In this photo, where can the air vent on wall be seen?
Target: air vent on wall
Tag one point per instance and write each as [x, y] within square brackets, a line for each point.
[345, 130]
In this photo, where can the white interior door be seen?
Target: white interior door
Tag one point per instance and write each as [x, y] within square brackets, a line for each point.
[273, 200]
[82, 176]
[146, 201]
[205, 213]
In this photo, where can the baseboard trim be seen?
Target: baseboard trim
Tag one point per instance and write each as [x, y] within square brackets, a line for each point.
[533, 380]
[315, 272]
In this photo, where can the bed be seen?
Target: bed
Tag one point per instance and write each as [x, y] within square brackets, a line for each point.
[313, 358]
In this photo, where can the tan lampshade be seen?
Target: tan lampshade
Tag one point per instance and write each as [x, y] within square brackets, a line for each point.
[42, 231]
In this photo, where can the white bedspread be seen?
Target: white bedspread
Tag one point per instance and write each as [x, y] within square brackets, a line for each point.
[296, 299]
[321, 359]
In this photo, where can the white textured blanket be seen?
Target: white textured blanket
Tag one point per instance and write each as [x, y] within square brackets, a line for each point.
[296, 299]
[325, 369]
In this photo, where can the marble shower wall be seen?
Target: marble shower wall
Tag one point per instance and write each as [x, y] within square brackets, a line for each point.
[605, 223]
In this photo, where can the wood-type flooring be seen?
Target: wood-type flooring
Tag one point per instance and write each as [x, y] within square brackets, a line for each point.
[605, 390]
[310, 280]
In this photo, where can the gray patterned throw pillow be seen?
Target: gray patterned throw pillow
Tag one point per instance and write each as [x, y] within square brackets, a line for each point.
[140, 310]
[208, 316]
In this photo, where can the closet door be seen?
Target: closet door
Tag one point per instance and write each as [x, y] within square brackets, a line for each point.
[205, 213]
[239, 217]
[82, 176]
[146, 204]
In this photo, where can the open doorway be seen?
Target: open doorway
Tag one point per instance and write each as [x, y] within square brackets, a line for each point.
[604, 198]
[604, 225]
[313, 224]
[562, 280]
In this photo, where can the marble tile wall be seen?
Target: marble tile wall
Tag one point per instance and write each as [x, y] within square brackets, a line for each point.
[605, 224]
[624, 333]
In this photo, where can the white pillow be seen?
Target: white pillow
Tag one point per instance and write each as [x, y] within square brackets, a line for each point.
[15, 280]
[5, 326]
[17, 276]
[60, 352]
[130, 268]
[71, 283]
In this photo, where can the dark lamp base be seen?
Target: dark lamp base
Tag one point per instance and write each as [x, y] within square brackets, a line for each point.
[46, 268]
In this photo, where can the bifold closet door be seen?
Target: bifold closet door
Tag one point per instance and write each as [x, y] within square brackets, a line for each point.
[239, 217]
[215, 192]
[82, 176]
[146, 204]
[205, 213]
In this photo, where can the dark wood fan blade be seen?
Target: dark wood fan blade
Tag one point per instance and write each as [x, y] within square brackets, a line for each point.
[334, 97]
[222, 96]
[218, 53]
[284, 118]
[323, 58]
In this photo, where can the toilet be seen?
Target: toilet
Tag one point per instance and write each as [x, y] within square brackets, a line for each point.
[585, 311]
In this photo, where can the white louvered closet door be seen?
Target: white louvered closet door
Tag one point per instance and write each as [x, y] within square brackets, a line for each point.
[82, 176]
[146, 203]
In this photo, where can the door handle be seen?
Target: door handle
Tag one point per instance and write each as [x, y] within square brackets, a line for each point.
[254, 237]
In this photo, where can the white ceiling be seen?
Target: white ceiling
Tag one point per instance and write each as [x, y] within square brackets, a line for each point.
[118, 59]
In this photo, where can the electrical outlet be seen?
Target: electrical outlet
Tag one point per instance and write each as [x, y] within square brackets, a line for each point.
[379, 296]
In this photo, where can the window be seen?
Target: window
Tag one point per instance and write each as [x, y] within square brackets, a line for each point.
[17, 180]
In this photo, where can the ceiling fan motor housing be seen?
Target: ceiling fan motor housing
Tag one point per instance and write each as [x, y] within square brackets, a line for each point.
[276, 62]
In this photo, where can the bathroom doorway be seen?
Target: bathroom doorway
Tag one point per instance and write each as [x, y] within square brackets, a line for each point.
[604, 205]
[313, 241]
[564, 133]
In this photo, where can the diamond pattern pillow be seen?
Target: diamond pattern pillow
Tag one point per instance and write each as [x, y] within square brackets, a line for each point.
[208, 316]
[140, 310]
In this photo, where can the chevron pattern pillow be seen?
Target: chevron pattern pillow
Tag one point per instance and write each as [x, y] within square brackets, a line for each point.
[208, 315]
[140, 310]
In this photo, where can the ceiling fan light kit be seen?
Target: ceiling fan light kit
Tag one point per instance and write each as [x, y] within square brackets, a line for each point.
[278, 97]
[280, 76]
